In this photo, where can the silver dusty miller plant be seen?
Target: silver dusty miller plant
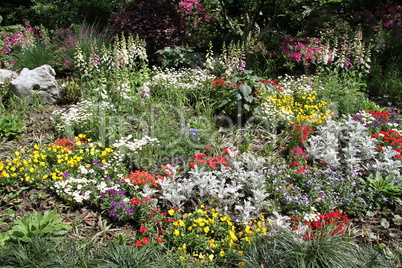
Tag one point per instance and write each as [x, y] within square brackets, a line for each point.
[241, 187]
[343, 143]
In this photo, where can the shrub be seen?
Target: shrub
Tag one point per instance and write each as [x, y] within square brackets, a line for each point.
[155, 21]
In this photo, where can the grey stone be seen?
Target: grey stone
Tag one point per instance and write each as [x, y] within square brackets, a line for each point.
[7, 74]
[40, 80]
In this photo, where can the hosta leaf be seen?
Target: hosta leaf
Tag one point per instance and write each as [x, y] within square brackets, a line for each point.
[384, 223]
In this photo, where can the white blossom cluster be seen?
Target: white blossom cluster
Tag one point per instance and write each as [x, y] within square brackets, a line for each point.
[76, 188]
[80, 113]
[241, 187]
[190, 79]
[290, 84]
[135, 145]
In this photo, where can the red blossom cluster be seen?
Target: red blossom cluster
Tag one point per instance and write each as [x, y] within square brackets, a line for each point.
[136, 201]
[273, 83]
[382, 116]
[141, 177]
[391, 137]
[221, 82]
[66, 143]
[328, 224]
[299, 156]
[212, 161]
[304, 131]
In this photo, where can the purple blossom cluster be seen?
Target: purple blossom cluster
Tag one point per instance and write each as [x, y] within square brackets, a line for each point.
[114, 203]
[321, 190]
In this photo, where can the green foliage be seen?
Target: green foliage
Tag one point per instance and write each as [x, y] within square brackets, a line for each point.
[11, 125]
[386, 185]
[37, 251]
[178, 57]
[38, 224]
[34, 56]
[240, 94]
[385, 81]
[345, 91]
[119, 256]
[72, 91]
[288, 249]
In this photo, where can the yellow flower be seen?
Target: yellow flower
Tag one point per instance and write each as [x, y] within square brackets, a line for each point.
[176, 232]
[31, 170]
[171, 212]
[212, 243]
[241, 264]
[206, 229]
[181, 223]
[222, 253]
[17, 153]
[232, 235]
[211, 257]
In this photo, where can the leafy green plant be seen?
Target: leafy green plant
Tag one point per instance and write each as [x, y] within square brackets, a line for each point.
[345, 91]
[38, 224]
[385, 185]
[177, 56]
[11, 125]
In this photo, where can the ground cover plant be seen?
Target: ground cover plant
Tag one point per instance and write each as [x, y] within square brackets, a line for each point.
[166, 161]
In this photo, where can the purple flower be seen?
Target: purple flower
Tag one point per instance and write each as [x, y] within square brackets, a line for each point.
[101, 196]
[65, 174]
[121, 192]
[130, 210]
[111, 191]
[95, 161]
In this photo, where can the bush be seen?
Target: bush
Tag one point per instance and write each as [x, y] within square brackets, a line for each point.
[155, 21]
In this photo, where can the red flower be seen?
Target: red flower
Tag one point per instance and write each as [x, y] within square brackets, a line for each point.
[141, 177]
[301, 170]
[143, 229]
[212, 162]
[138, 243]
[218, 82]
[227, 150]
[146, 240]
[134, 201]
[192, 165]
[209, 148]
[160, 239]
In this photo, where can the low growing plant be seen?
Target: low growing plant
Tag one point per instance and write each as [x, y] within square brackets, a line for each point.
[37, 224]
[11, 125]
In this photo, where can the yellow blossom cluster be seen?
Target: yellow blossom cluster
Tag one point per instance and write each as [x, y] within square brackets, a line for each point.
[50, 161]
[299, 106]
[210, 235]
